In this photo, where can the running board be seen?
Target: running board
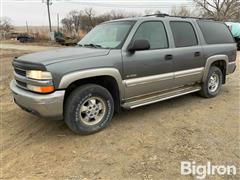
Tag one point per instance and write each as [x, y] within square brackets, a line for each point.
[160, 97]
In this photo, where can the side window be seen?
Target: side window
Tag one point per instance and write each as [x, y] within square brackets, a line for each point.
[215, 32]
[183, 34]
[154, 32]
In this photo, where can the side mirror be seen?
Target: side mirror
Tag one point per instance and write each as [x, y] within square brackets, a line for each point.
[139, 45]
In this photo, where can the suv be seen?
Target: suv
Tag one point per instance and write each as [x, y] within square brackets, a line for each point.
[124, 63]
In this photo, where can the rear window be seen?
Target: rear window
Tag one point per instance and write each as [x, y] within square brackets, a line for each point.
[183, 34]
[215, 32]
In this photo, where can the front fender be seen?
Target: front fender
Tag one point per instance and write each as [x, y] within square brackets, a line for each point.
[78, 75]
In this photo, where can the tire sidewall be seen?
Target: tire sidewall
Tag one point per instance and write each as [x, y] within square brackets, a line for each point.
[75, 101]
[217, 71]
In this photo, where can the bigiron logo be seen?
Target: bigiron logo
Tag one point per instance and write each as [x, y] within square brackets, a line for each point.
[202, 171]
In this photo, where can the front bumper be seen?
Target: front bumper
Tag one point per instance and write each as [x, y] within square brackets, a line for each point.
[44, 105]
[231, 67]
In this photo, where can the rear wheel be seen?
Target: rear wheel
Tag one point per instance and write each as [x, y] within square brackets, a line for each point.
[212, 86]
[88, 109]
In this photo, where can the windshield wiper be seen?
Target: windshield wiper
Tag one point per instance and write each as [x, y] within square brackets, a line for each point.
[93, 45]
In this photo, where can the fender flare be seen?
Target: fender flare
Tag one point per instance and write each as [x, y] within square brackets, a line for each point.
[68, 79]
[211, 60]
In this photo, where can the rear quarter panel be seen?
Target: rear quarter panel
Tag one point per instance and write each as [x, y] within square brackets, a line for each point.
[229, 50]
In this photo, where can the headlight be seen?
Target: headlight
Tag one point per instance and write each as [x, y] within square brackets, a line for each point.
[39, 75]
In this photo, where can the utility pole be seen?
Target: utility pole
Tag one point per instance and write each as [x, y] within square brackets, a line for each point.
[49, 16]
[27, 27]
[58, 22]
[238, 10]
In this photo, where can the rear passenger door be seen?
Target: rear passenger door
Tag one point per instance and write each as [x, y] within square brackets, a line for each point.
[187, 54]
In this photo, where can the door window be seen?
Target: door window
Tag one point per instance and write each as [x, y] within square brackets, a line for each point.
[154, 32]
[183, 34]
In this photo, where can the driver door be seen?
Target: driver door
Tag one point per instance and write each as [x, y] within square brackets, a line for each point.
[148, 71]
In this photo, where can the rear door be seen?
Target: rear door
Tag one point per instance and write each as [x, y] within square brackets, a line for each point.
[187, 54]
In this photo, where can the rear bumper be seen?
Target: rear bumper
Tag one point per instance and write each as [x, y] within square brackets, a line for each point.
[44, 105]
[231, 67]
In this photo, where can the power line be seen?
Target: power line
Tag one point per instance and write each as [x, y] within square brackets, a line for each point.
[131, 6]
[120, 3]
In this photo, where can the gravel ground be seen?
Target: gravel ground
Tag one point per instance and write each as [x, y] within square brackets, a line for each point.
[145, 143]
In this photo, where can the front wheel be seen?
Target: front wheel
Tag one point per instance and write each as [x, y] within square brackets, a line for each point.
[212, 85]
[88, 109]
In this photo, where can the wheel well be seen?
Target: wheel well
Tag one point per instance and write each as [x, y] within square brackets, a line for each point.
[221, 64]
[107, 82]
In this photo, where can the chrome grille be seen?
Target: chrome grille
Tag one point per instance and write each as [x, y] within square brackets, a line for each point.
[22, 84]
[20, 71]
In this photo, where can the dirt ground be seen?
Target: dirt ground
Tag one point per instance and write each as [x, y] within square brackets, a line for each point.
[40, 44]
[144, 143]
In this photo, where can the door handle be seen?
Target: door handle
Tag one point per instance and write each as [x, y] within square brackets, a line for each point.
[196, 54]
[168, 57]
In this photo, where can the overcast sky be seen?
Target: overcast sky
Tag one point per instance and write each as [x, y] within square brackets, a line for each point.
[35, 11]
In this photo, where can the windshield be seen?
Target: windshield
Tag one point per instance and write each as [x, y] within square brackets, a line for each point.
[108, 35]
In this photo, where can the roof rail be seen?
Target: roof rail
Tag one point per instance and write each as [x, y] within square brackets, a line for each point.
[157, 15]
[164, 15]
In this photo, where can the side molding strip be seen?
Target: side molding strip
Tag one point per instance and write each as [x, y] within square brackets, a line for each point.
[188, 72]
[162, 77]
[148, 79]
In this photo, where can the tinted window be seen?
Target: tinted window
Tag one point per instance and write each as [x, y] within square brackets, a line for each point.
[215, 32]
[154, 32]
[183, 34]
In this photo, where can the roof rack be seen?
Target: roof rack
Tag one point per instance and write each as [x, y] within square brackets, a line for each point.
[164, 15]
[157, 15]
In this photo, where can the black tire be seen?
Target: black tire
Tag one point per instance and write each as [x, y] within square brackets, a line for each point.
[205, 90]
[76, 100]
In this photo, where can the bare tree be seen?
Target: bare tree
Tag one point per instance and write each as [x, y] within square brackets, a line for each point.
[67, 24]
[75, 17]
[220, 9]
[5, 24]
[119, 14]
[90, 14]
[180, 11]
[86, 19]
[150, 11]
[157, 12]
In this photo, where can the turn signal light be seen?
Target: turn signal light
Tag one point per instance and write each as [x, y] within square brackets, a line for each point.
[41, 89]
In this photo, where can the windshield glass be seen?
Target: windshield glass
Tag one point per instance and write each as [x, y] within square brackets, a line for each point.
[108, 35]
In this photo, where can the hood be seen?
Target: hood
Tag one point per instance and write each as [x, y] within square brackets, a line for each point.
[62, 54]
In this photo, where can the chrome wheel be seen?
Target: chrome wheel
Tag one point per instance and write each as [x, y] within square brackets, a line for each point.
[213, 83]
[92, 110]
